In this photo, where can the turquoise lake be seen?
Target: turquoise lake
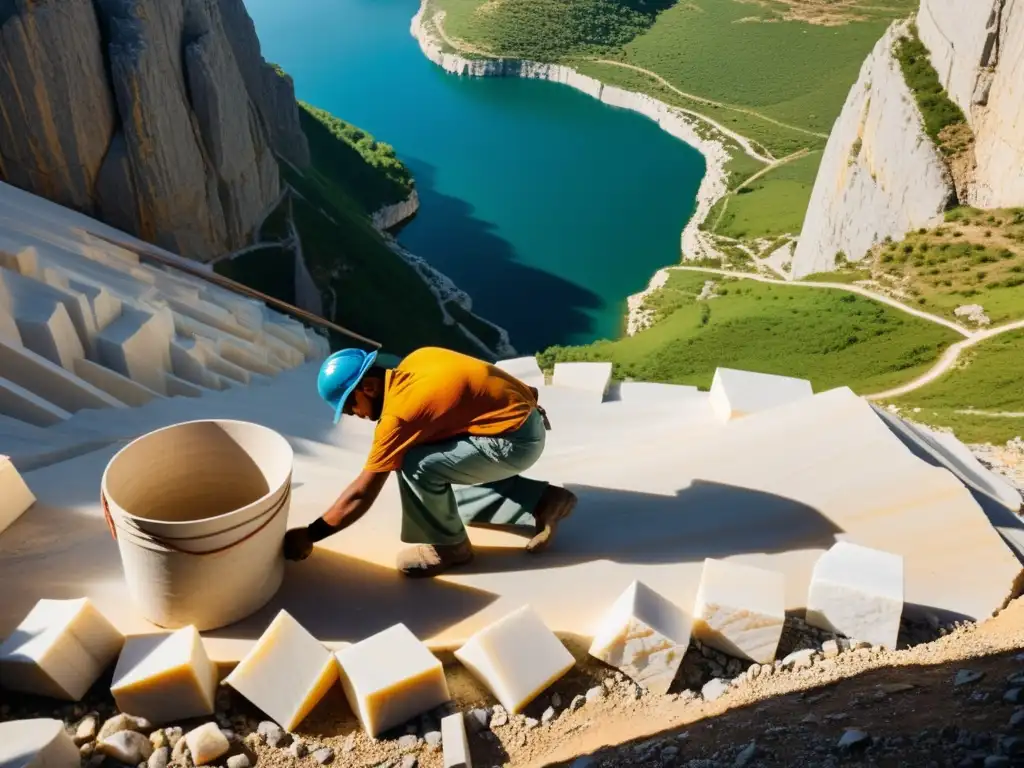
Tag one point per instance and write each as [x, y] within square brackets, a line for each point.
[546, 206]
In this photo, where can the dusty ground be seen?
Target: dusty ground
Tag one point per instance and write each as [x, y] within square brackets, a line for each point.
[904, 701]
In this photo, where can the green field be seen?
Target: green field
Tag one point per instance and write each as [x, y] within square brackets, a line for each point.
[832, 338]
[770, 206]
[989, 381]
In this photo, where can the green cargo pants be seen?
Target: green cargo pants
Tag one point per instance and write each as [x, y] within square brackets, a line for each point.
[490, 467]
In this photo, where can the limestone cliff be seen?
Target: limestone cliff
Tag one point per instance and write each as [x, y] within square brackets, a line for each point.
[880, 174]
[158, 116]
[977, 48]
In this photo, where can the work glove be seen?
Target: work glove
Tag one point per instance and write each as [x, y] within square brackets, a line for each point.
[297, 544]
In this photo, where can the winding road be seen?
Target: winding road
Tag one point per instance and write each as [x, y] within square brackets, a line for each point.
[944, 364]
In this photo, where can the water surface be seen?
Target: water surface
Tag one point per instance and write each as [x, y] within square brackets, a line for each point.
[546, 206]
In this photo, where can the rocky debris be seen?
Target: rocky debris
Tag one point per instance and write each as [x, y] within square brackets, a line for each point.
[160, 758]
[324, 755]
[174, 735]
[129, 747]
[708, 291]
[432, 739]
[799, 659]
[966, 677]
[974, 313]
[548, 716]
[595, 693]
[124, 723]
[298, 749]
[746, 755]
[715, 689]
[577, 702]
[556, 700]
[272, 734]
[207, 743]
[237, 761]
[85, 731]
[499, 716]
[853, 739]
[830, 649]
[180, 753]
[477, 719]
[409, 761]
[531, 723]
[408, 742]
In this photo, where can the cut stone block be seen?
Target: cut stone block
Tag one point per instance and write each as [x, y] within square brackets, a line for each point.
[206, 743]
[38, 743]
[857, 592]
[735, 394]
[516, 657]
[740, 610]
[165, 677]
[286, 673]
[50, 381]
[455, 743]
[645, 637]
[648, 392]
[123, 389]
[391, 677]
[592, 378]
[19, 403]
[15, 496]
[43, 321]
[176, 387]
[137, 345]
[525, 369]
[59, 650]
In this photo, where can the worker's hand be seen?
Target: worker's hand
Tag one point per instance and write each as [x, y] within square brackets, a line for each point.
[297, 544]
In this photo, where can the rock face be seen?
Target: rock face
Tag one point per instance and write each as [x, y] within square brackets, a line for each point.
[978, 51]
[272, 93]
[880, 175]
[57, 114]
[149, 114]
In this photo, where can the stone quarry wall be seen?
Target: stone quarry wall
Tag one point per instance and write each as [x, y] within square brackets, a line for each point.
[977, 48]
[880, 175]
[157, 116]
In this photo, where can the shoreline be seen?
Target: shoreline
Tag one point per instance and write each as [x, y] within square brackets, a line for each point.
[674, 121]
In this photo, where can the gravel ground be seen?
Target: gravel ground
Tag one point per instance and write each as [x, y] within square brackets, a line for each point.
[721, 712]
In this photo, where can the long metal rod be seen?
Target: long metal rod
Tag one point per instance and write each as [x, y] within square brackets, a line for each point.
[232, 285]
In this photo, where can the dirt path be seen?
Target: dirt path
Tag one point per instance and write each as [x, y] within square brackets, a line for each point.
[850, 289]
[948, 360]
[767, 169]
[710, 102]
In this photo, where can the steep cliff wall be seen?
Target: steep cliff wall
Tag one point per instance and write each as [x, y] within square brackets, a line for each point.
[880, 175]
[141, 113]
[977, 48]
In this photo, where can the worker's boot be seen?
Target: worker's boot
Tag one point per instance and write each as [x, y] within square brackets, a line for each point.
[555, 505]
[426, 560]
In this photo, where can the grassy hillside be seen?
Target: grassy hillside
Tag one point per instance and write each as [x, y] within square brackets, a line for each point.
[775, 71]
[830, 337]
[356, 161]
[977, 257]
[989, 380]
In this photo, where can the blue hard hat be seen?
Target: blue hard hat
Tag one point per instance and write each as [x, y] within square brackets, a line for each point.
[339, 375]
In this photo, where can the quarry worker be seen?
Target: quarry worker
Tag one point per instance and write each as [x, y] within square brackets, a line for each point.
[443, 419]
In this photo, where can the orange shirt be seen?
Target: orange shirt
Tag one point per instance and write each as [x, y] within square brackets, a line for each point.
[435, 394]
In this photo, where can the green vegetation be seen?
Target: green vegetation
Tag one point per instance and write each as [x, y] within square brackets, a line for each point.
[770, 206]
[367, 168]
[977, 258]
[364, 284]
[551, 30]
[833, 338]
[937, 109]
[989, 381]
